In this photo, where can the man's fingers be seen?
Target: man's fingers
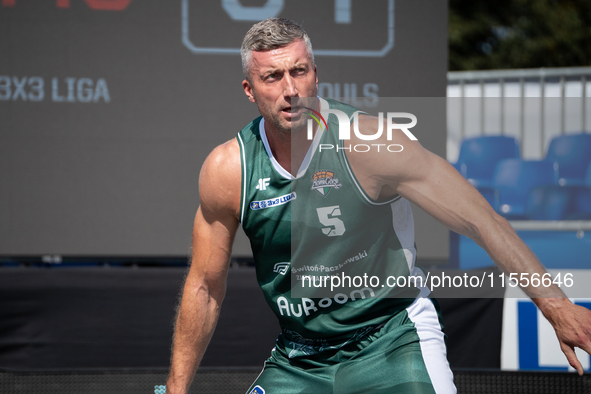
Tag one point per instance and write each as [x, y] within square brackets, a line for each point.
[574, 362]
[587, 345]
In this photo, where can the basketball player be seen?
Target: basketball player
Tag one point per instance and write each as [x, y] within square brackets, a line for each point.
[346, 344]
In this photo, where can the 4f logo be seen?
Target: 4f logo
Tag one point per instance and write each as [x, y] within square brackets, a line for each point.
[263, 183]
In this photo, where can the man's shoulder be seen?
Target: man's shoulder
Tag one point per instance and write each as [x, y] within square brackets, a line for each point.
[219, 180]
[224, 157]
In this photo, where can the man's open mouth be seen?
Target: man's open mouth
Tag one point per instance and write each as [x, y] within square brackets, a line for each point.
[292, 111]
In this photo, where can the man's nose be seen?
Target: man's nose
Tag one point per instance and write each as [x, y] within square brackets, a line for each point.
[290, 89]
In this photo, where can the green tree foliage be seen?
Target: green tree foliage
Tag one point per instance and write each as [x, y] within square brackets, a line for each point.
[499, 34]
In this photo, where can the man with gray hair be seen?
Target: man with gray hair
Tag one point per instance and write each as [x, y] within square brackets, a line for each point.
[357, 342]
[271, 34]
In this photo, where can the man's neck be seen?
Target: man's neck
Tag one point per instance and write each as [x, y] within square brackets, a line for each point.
[288, 148]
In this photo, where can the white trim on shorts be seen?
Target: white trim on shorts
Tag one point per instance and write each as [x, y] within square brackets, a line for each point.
[423, 314]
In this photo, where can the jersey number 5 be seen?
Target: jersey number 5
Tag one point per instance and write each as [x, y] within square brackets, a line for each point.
[328, 217]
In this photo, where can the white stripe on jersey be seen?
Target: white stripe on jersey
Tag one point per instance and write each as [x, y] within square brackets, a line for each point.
[244, 174]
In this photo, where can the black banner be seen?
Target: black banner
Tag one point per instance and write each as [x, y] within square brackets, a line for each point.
[123, 318]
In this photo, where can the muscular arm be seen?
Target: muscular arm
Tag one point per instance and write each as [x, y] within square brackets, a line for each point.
[435, 186]
[214, 228]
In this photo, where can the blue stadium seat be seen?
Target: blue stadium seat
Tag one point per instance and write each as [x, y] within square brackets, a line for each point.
[559, 203]
[514, 178]
[573, 154]
[588, 177]
[479, 156]
[580, 207]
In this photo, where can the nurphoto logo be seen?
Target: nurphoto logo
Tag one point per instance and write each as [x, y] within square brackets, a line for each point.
[345, 129]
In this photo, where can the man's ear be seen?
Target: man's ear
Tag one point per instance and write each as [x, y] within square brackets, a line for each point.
[248, 90]
[316, 76]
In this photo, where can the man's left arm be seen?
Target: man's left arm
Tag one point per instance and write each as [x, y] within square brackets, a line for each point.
[434, 185]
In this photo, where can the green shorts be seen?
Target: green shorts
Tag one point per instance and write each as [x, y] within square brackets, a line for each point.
[406, 355]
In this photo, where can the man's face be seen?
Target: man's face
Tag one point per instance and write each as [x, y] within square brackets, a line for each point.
[277, 76]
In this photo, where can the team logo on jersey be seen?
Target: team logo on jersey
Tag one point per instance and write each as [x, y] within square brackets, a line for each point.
[257, 390]
[281, 268]
[263, 183]
[323, 181]
[272, 202]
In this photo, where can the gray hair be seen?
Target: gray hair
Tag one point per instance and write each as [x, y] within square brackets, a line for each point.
[271, 34]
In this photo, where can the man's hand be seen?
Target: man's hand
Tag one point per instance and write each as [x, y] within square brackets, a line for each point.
[572, 324]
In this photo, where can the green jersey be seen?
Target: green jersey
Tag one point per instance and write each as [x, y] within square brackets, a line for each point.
[321, 222]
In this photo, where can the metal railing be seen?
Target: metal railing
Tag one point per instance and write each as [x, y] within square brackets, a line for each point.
[474, 84]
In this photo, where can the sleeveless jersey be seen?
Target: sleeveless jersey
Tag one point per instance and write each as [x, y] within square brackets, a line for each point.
[321, 220]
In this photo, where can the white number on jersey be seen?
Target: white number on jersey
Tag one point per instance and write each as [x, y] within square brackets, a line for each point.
[327, 216]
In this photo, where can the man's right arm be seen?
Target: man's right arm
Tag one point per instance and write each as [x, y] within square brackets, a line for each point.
[214, 228]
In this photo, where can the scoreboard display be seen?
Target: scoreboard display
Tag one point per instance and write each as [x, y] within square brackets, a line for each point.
[108, 108]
